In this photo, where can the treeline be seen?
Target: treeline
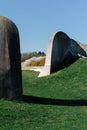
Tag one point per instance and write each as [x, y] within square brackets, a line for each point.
[25, 56]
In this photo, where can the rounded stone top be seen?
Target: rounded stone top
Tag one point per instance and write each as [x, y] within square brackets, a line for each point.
[7, 24]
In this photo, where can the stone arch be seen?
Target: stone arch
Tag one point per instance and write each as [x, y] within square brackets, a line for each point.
[62, 51]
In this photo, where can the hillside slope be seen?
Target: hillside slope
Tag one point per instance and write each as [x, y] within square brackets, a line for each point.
[69, 83]
[55, 102]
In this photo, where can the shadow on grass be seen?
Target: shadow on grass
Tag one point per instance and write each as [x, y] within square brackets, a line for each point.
[49, 101]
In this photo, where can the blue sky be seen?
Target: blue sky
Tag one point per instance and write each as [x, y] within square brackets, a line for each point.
[37, 20]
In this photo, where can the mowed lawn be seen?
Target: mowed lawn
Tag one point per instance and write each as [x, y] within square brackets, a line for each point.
[55, 102]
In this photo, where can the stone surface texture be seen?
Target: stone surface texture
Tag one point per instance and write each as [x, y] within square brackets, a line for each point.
[10, 60]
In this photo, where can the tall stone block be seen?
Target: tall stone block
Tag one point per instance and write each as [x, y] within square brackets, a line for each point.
[10, 61]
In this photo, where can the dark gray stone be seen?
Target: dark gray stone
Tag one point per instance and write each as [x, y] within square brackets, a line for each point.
[10, 61]
[65, 51]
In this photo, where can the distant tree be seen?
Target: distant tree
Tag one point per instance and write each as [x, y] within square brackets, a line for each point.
[41, 53]
[26, 56]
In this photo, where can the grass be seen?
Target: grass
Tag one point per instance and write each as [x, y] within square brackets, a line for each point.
[69, 83]
[56, 102]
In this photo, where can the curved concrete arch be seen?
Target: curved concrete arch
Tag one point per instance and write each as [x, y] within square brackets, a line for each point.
[62, 51]
[60, 44]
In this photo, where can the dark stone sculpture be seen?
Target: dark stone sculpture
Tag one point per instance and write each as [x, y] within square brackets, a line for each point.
[10, 61]
[65, 51]
[62, 52]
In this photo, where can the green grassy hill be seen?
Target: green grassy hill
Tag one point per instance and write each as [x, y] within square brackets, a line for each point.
[69, 83]
[55, 102]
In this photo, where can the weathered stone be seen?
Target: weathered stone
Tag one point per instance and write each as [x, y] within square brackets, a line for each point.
[62, 52]
[10, 61]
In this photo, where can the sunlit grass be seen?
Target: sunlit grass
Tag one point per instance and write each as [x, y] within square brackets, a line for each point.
[68, 84]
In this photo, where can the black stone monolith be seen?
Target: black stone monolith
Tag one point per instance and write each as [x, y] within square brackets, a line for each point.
[10, 61]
